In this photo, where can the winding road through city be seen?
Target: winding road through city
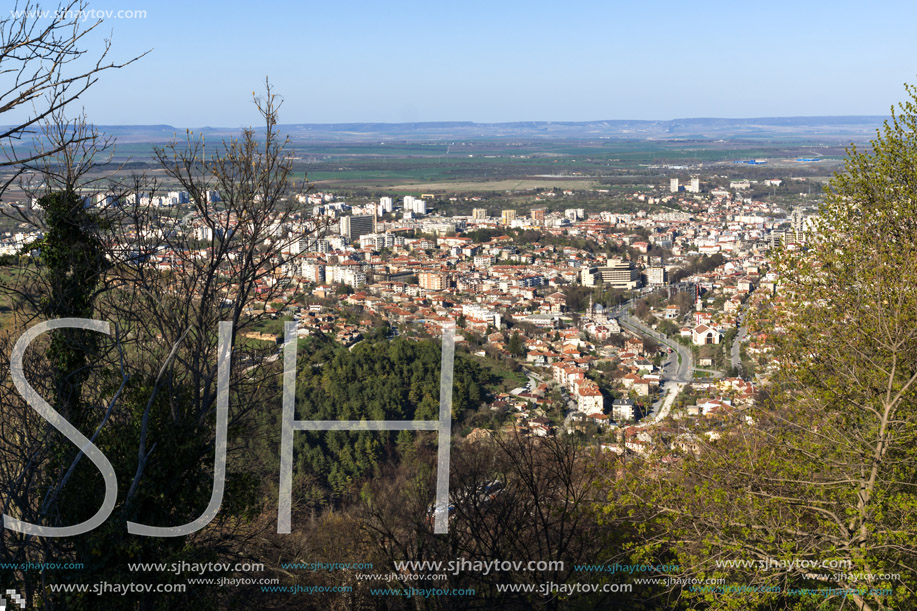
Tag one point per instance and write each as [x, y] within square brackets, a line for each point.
[677, 371]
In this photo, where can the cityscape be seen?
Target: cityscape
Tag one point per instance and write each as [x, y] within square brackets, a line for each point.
[389, 360]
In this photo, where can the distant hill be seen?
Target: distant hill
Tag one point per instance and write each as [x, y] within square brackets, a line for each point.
[844, 128]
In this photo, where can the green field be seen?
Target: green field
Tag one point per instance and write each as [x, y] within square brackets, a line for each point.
[501, 166]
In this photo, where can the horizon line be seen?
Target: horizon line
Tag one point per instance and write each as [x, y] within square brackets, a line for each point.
[516, 122]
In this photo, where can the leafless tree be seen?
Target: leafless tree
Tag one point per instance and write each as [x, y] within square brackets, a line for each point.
[513, 498]
[177, 275]
[44, 67]
[170, 276]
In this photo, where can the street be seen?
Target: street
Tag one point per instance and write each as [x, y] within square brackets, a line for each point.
[677, 371]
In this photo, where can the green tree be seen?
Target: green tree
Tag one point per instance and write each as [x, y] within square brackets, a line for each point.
[377, 380]
[159, 431]
[824, 469]
[74, 261]
[516, 346]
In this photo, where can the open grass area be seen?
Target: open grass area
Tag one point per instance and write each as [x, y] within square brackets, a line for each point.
[525, 184]
[507, 379]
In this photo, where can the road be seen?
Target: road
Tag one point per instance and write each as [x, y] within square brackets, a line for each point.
[661, 408]
[684, 361]
[677, 371]
[737, 342]
[269, 359]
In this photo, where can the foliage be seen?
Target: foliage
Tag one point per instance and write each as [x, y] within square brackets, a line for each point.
[514, 498]
[74, 260]
[157, 372]
[516, 346]
[577, 297]
[825, 468]
[481, 236]
[698, 265]
[377, 380]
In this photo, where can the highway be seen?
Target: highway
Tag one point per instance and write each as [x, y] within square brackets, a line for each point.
[683, 367]
[677, 371]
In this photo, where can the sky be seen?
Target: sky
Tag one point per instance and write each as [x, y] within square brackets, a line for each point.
[501, 60]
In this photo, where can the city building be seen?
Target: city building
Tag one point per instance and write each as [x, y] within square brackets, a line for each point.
[508, 217]
[538, 216]
[589, 398]
[575, 214]
[416, 205]
[622, 410]
[479, 214]
[478, 318]
[352, 227]
[313, 273]
[702, 335]
[433, 281]
[655, 276]
[377, 241]
[617, 274]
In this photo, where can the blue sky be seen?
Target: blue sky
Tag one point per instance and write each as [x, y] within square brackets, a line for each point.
[503, 60]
